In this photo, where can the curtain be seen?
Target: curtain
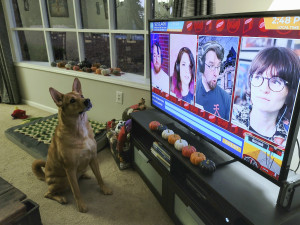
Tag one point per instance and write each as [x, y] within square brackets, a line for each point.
[9, 91]
[187, 8]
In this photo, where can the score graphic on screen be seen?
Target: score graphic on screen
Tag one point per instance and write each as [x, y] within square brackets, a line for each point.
[262, 156]
[282, 23]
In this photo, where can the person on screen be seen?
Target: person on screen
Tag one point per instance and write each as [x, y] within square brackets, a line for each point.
[183, 76]
[273, 80]
[209, 95]
[159, 78]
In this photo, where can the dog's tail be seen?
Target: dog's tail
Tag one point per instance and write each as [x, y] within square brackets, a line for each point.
[37, 168]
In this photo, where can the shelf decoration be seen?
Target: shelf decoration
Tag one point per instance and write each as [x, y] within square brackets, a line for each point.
[207, 166]
[188, 150]
[166, 133]
[179, 144]
[153, 125]
[88, 67]
[197, 157]
[173, 138]
[161, 128]
[68, 66]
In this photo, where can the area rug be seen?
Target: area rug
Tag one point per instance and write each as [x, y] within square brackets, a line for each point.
[35, 137]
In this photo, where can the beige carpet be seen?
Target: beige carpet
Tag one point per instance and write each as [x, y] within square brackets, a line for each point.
[132, 202]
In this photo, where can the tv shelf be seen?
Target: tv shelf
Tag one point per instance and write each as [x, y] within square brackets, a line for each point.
[233, 194]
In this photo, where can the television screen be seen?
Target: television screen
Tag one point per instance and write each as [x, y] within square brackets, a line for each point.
[234, 79]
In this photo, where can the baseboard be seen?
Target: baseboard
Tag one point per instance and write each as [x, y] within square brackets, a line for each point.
[39, 106]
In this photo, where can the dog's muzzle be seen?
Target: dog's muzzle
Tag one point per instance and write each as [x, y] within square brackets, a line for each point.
[88, 105]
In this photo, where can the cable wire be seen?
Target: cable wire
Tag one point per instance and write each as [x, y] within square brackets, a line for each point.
[298, 156]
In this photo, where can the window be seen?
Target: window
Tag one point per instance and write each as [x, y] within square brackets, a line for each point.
[32, 45]
[163, 9]
[96, 48]
[64, 46]
[130, 49]
[27, 15]
[130, 14]
[75, 30]
[61, 14]
[109, 32]
[94, 14]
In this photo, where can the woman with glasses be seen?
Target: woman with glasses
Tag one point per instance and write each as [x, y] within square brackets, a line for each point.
[183, 76]
[273, 81]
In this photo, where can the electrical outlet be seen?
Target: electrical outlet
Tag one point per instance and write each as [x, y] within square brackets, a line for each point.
[119, 97]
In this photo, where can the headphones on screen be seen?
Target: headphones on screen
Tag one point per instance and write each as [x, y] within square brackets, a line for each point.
[177, 66]
[203, 49]
[181, 51]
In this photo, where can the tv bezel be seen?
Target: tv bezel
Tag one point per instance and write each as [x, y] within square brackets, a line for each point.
[295, 120]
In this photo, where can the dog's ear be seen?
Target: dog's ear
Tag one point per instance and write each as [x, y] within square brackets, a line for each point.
[77, 86]
[56, 96]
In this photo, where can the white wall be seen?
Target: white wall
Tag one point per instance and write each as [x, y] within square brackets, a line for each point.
[238, 6]
[34, 87]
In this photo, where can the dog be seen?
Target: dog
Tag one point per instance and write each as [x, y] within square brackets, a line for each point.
[72, 149]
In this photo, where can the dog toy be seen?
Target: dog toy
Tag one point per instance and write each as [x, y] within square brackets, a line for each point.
[119, 125]
[111, 124]
[140, 106]
[19, 114]
[124, 134]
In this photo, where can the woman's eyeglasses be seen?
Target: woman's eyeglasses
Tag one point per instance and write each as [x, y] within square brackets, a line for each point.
[276, 84]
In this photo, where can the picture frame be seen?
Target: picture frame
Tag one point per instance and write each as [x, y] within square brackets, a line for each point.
[58, 8]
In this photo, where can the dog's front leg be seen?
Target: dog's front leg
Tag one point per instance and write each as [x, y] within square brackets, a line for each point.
[95, 168]
[71, 174]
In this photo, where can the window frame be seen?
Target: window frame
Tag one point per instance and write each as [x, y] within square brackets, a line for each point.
[129, 79]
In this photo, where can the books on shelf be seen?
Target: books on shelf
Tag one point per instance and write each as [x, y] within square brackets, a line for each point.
[161, 154]
[160, 159]
[159, 148]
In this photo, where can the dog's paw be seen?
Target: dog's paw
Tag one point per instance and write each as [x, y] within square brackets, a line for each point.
[82, 207]
[59, 198]
[105, 190]
[63, 200]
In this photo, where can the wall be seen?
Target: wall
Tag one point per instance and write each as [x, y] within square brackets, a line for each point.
[238, 6]
[34, 87]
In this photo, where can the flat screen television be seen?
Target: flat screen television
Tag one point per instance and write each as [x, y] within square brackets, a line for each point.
[234, 81]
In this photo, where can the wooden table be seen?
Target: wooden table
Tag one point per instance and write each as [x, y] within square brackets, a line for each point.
[11, 207]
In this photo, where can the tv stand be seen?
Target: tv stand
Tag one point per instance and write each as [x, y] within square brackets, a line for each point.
[233, 194]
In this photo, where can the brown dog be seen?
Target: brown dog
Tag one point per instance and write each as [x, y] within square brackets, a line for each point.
[72, 148]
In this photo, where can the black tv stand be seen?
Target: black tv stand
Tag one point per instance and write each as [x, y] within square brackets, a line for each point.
[233, 194]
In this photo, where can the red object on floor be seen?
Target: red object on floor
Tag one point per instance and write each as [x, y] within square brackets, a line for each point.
[19, 114]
